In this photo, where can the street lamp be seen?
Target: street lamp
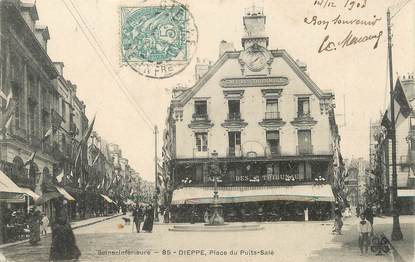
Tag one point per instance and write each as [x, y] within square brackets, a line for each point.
[215, 173]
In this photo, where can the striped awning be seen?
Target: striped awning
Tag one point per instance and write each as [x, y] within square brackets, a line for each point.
[300, 193]
[7, 185]
[406, 192]
[65, 194]
[30, 193]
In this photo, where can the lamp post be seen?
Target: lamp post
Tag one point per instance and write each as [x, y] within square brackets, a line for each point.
[215, 173]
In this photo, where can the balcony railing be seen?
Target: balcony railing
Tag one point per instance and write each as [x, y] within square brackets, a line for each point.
[304, 149]
[35, 141]
[200, 117]
[303, 115]
[273, 151]
[235, 151]
[272, 115]
[234, 116]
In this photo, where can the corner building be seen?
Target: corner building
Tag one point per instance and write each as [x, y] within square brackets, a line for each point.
[270, 128]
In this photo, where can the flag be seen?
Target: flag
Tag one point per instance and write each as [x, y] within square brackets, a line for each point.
[95, 160]
[401, 107]
[3, 95]
[7, 114]
[9, 97]
[60, 177]
[88, 132]
[31, 159]
[78, 155]
[8, 123]
[48, 134]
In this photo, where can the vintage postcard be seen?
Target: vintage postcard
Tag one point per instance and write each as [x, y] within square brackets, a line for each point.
[222, 130]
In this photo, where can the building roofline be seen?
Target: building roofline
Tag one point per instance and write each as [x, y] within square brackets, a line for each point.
[187, 95]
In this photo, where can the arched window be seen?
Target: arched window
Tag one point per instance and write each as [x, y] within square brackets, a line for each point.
[18, 170]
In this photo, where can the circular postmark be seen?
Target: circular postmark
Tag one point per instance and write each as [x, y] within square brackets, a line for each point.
[158, 38]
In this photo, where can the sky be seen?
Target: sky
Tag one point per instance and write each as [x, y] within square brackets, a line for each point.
[357, 74]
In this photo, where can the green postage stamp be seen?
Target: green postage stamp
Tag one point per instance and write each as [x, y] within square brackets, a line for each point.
[158, 39]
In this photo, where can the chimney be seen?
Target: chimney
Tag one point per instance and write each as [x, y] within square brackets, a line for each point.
[408, 86]
[59, 67]
[42, 35]
[224, 47]
[201, 68]
[29, 13]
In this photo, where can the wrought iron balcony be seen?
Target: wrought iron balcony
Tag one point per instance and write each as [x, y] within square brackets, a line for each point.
[234, 116]
[235, 151]
[35, 141]
[200, 117]
[273, 151]
[272, 115]
[304, 149]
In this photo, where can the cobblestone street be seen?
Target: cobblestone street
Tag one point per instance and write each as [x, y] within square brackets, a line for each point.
[283, 241]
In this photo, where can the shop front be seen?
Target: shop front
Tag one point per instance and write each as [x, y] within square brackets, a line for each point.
[256, 190]
[255, 203]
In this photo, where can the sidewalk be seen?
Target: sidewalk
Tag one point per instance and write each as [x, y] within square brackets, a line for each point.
[345, 247]
[74, 225]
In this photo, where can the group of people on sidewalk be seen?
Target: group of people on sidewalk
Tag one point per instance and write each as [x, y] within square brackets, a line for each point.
[143, 214]
[364, 226]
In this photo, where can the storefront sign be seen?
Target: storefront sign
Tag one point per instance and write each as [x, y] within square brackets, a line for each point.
[279, 177]
[254, 82]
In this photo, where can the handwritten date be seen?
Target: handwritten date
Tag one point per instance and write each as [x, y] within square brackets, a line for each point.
[348, 4]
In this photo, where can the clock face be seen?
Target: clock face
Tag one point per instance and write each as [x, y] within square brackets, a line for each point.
[256, 61]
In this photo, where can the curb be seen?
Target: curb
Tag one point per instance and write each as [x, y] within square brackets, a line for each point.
[73, 228]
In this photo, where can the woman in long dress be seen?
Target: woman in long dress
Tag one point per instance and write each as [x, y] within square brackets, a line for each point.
[63, 239]
[148, 221]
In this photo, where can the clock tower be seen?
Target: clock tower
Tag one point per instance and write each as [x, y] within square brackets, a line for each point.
[254, 24]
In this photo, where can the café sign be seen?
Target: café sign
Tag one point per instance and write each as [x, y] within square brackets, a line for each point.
[269, 81]
[268, 178]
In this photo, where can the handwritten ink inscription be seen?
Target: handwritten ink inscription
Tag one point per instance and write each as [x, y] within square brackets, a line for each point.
[344, 21]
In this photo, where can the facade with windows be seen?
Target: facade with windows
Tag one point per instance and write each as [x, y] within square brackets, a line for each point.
[405, 151]
[271, 127]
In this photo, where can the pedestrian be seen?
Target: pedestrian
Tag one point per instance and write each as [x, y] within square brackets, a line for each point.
[338, 223]
[34, 226]
[364, 228]
[368, 213]
[44, 223]
[149, 219]
[63, 245]
[206, 216]
[138, 217]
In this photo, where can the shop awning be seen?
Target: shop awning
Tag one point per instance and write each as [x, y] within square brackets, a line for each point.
[7, 185]
[301, 193]
[30, 193]
[109, 200]
[406, 192]
[65, 194]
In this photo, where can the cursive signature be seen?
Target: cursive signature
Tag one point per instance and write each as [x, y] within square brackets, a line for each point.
[350, 40]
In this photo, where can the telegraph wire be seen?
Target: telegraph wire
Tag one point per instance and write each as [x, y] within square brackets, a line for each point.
[105, 56]
[110, 70]
[400, 8]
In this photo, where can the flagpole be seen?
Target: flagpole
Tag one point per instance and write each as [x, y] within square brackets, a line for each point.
[155, 175]
[396, 230]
